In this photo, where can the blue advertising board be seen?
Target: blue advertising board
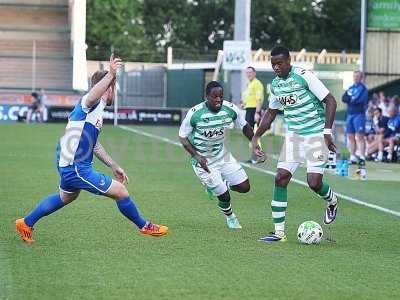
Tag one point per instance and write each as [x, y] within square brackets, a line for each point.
[10, 113]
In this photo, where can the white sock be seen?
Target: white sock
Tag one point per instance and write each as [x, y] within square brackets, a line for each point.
[280, 228]
[380, 155]
[334, 200]
[232, 216]
[353, 157]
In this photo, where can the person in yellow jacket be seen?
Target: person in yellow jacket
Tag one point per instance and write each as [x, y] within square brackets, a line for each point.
[253, 97]
[252, 101]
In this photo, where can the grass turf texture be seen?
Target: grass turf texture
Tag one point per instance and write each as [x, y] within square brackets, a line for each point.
[88, 250]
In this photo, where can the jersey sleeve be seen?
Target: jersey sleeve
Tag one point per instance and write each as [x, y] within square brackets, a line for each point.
[314, 84]
[85, 108]
[240, 121]
[186, 127]
[273, 101]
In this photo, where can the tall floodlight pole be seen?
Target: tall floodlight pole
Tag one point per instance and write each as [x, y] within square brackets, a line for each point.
[241, 33]
[363, 33]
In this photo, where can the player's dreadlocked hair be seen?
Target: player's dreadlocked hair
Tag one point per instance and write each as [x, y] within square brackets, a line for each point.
[211, 85]
[278, 50]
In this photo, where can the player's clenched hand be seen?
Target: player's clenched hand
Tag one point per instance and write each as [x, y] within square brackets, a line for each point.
[256, 148]
[202, 162]
[329, 142]
[120, 174]
[115, 63]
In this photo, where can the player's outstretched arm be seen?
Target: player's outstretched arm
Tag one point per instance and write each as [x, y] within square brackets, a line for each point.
[248, 131]
[101, 87]
[330, 112]
[105, 158]
[265, 124]
[190, 149]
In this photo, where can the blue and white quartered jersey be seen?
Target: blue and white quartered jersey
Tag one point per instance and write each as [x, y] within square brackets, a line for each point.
[83, 128]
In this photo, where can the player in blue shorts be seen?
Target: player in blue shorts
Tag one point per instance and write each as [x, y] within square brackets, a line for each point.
[75, 158]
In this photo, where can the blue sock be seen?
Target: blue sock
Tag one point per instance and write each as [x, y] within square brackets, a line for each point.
[128, 208]
[47, 206]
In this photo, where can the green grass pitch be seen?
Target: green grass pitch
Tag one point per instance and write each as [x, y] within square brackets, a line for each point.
[88, 250]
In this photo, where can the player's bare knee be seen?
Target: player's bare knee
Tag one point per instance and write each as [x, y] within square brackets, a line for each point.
[282, 178]
[244, 187]
[122, 192]
[67, 198]
[117, 191]
[314, 184]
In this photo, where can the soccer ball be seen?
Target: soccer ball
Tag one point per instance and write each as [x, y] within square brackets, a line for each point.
[309, 232]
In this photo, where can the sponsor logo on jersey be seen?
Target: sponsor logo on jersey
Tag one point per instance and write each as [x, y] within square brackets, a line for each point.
[210, 133]
[288, 99]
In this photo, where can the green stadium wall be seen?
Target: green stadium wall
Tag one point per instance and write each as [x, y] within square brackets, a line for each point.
[185, 88]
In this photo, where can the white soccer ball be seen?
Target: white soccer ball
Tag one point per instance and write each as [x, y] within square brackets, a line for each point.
[309, 232]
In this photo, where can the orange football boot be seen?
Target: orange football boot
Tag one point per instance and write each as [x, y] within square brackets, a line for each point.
[24, 230]
[154, 229]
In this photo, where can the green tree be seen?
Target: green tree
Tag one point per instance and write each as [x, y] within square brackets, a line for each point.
[118, 25]
[340, 25]
[190, 27]
[141, 30]
[310, 24]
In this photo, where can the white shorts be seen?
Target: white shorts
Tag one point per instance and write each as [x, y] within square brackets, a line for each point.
[227, 169]
[299, 149]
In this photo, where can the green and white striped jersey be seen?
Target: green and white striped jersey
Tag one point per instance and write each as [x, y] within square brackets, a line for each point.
[299, 96]
[205, 129]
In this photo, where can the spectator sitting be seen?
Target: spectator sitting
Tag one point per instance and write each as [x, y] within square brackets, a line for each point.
[379, 127]
[36, 109]
[372, 106]
[395, 100]
[370, 132]
[375, 99]
[383, 104]
[391, 136]
[356, 98]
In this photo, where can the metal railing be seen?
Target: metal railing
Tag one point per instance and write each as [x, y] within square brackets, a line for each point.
[323, 57]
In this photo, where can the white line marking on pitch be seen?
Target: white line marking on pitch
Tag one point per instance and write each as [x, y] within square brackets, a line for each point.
[348, 198]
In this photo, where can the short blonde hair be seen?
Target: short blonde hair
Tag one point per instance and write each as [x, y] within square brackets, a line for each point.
[96, 77]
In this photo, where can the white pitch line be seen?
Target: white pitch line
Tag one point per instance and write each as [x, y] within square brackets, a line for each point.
[348, 198]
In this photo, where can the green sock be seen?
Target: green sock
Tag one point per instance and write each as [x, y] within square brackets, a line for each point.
[326, 193]
[278, 206]
[225, 207]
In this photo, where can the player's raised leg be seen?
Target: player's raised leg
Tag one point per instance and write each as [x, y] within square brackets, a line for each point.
[219, 179]
[127, 207]
[323, 189]
[47, 206]
[224, 204]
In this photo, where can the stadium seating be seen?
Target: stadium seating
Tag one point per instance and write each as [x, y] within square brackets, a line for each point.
[35, 49]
